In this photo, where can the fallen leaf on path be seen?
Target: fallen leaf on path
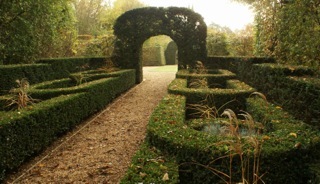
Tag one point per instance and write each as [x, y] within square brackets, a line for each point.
[165, 177]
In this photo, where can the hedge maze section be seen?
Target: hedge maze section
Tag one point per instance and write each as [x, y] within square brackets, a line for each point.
[288, 147]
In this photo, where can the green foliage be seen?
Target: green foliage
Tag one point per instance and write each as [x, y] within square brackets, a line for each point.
[153, 56]
[46, 69]
[293, 87]
[217, 43]
[134, 27]
[88, 13]
[231, 96]
[51, 89]
[288, 30]
[119, 7]
[62, 67]
[300, 43]
[171, 53]
[34, 29]
[87, 46]
[282, 158]
[27, 131]
[241, 43]
[150, 165]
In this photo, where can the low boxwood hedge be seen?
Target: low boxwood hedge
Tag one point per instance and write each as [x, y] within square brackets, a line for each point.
[45, 69]
[214, 78]
[150, 165]
[282, 84]
[295, 88]
[25, 132]
[233, 96]
[292, 147]
[288, 145]
[33, 72]
[64, 66]
[50, 89]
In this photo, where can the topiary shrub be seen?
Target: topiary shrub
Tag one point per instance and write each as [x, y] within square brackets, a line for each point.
[183, 25]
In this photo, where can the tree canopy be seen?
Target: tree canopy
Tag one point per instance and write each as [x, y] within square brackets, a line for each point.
[33, 28]
[288, 30]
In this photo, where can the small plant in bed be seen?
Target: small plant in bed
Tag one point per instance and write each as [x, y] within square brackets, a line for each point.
[19, 97]
[108, 67]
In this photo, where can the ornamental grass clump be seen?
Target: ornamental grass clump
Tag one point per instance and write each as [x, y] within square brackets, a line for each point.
[200, 82]
[19, 97]
[244, 146]
[206, 109]
[242, 142]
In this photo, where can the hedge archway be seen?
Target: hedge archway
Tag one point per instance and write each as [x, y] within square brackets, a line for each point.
[182, 25]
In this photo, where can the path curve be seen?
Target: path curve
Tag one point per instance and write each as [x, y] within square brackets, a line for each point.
[100, 149]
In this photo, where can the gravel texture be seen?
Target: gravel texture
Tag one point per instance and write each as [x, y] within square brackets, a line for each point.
[100, 149]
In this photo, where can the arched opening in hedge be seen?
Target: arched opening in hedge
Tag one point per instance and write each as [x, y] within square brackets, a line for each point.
[182, 25]
[153, 50]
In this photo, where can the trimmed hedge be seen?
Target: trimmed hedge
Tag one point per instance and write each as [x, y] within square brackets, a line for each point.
[150, 165]
[233, 96]
[134, 27]
[50, 89]
[24, 133]
[64, 66]
[215, 78]
[286, 158]
[232, 63]
[295, 88]
[33, 72]
[44, 70]
[171, 53]
[281, 159]
[153, 56]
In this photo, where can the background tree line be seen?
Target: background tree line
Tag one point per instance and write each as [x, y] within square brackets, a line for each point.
[33, 29]
[288, 30]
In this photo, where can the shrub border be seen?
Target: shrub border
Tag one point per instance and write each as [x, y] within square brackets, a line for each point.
[26, 132]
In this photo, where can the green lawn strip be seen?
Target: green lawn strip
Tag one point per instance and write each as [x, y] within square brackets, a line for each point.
[166, 68]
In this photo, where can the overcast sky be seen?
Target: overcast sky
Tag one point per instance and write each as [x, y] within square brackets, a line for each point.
[223, 12]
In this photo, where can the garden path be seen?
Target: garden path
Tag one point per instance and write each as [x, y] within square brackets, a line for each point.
[100, 149]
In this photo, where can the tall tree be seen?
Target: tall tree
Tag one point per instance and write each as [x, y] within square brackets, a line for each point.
[288, 30]
[217, 36]
[118, 8]
[88, 13]
[34, 28]
[242, 42]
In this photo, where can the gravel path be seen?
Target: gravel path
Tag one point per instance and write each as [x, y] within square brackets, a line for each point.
[100, 149]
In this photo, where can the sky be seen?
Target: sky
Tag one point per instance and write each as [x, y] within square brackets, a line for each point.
[223, 12]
